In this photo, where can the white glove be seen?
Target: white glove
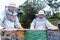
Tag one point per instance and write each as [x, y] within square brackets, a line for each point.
[1, 28]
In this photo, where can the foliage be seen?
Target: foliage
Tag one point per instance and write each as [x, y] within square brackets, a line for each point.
[29, 11]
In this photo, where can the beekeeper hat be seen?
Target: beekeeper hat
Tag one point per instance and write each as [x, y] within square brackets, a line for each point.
[11, 4]
[40, 12]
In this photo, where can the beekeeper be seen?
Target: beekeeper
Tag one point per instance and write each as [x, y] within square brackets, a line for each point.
[41, 23]
[9, 19]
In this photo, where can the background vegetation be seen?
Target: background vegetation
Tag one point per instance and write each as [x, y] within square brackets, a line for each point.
[30, 9]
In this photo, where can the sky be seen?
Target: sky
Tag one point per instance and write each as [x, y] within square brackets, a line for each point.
[3, 3]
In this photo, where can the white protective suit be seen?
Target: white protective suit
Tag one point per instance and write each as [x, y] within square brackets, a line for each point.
[7, 24]
[41, 24]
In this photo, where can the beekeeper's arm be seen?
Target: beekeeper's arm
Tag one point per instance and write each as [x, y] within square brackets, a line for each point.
[32, 24]
[2, 16]
[1, 28]
[50, 26]
[18, 24]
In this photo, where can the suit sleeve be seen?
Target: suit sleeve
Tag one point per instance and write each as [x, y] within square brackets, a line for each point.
[2, 16]
[50, 26]
[17, 24]
[32, 24]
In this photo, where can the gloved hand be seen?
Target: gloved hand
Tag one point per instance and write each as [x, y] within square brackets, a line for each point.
[20, 27]
[1, 28]
[32, 27]
[55, 27]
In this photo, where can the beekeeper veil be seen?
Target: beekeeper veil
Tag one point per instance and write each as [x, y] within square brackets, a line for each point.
[11, 15]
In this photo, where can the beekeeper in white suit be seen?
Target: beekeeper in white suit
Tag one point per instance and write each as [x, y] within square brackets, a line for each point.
[41, 23]
[9, 19]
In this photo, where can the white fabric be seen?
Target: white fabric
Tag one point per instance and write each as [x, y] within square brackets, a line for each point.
[2, 16]
[41, 24]
[11, 4]
[0, 36]
[8, 12]
[1, 28]
[8, 24]
[40, 12]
